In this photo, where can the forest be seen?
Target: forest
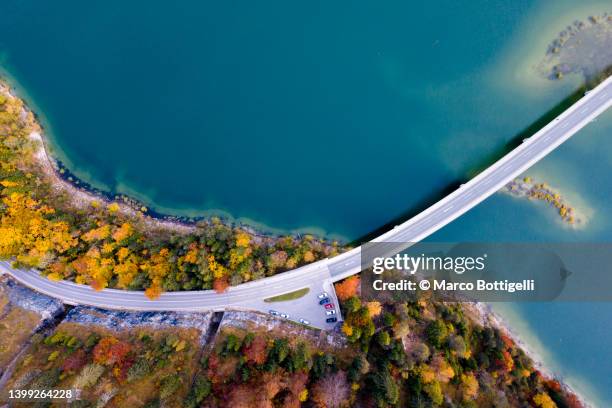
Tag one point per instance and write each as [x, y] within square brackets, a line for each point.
[43, 225]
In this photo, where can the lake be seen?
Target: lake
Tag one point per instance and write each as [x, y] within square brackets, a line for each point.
[334, 118]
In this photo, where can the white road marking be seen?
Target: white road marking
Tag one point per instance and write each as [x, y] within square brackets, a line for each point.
[251, 295]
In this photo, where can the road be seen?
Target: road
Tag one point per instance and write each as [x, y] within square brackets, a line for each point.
[320, 275]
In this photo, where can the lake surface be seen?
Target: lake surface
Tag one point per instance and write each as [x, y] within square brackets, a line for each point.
[334, 116]
[329, 117]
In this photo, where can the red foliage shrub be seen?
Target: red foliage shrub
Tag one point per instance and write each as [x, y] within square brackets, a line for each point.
[256, 351]
[75, 361]
[109, 351]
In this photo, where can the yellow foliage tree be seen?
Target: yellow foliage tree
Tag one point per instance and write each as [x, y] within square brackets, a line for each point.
[347, 329]
[543, 400]
[27, 235]
[93, 269]
[309, 256]
[469, 386]
[216, 268]
[157, 268]
[192, 255]
[153, 291]
[126, 271]
[97, 234]
[427, 374]
[123, 232]
[374, 308]
[243, 239]
[113, 208]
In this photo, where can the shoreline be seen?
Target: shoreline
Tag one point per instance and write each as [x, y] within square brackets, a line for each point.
[82, 194]
[85, 194]
[488, 316]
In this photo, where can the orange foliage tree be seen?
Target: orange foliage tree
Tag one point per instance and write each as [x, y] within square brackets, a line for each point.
[348, 287]
[110, 351]
[220, 284]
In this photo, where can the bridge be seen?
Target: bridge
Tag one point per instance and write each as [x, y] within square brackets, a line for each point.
[320, 276]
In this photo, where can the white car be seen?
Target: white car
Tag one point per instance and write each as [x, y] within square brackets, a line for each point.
[284, 315]
[274, 313]
[330, 312]
[323, 295]
[304, 321]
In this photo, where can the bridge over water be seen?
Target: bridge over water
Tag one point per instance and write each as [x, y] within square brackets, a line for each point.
[319, 276]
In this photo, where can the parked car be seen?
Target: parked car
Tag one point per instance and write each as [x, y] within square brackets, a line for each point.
[329, 312]
[324, 301]
[274, 313]
[329, 306]
[285, 315]
[304, 321]
[323, 295]
[331, 319]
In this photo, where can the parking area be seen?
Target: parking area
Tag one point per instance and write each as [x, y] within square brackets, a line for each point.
[312, 309]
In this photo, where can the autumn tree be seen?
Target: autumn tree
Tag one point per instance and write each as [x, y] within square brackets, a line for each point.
[296, 384]
[543, 400]
[271, 385]
[374, 308]
[332, 391]
[469, 386]
[220, 285]
[444, 371]
[108, 244]
[74, 362]
[109, 351]
[243, 396]
[348, 287]
[255, 350]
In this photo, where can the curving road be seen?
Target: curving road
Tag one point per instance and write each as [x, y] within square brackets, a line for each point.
[320, 275]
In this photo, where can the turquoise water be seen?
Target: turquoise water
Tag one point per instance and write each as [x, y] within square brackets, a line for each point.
[572, 339]
[334, 117]
[339, 116]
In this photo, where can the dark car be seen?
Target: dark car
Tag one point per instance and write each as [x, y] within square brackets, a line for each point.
[331, 319]
[324, 301]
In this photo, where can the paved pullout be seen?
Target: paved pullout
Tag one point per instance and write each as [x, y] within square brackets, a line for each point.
[319, 276]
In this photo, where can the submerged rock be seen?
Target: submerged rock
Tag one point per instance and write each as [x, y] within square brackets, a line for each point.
[583, 48]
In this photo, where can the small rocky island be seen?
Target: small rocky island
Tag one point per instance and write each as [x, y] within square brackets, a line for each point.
[528, 187]
[581, 48]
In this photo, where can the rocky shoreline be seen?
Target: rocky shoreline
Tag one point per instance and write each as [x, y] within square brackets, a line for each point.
[84, 194]
[485, 315]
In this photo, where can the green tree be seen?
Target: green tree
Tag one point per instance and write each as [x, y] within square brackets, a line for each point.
[168, 385]
[436, 333]
[434, 392]
[384, 387]
[352, 304]
[199, 391]
[383, 338]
